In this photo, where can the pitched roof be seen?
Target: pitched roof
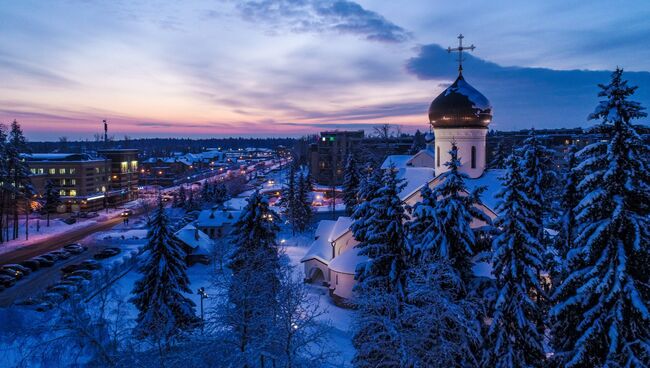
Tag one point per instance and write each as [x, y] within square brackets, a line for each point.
[415, 178]
[196, 239]
[347, 262]
[217, 217]
[398, 161]
[320, 249]
[341, 227]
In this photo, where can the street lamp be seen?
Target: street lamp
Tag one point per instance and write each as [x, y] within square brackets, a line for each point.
[203, 295]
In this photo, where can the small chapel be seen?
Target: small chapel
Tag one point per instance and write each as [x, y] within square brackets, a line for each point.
[459, 115]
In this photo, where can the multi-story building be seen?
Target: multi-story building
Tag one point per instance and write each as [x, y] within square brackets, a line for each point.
[328, 155]
[122, 174]
[81, 179]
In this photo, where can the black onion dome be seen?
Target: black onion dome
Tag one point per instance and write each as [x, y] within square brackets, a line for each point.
[460, 106]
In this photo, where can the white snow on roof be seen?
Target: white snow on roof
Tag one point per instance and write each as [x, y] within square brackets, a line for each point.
[196, 239]
[425, 151]
[490, 179]
[216, 217]
[415, 178]
[341, 227]
[324, 229]
[320, 249]
[347, 262]
[398, 161]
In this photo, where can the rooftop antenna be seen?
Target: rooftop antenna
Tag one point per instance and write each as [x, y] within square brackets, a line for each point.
[460, 50]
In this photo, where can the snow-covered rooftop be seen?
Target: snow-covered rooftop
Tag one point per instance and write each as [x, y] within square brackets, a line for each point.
[216, 217]
[398, 161]
[196, 239]
[320, 249]
[341, 227]
[347, 262]
[324, 229]
[415, 178]
[490, 179]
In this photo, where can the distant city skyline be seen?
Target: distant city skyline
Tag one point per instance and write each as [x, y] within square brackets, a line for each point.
[295, 67]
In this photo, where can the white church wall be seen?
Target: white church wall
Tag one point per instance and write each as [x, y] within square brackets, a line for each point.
[312, 267]
[465, 139]
[342, 284]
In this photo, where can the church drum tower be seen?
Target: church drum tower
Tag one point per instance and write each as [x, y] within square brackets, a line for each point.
[461, 115]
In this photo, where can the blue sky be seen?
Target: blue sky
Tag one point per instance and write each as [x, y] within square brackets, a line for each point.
[294, 67]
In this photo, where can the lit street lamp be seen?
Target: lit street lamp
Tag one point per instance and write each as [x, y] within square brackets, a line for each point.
[203, 295]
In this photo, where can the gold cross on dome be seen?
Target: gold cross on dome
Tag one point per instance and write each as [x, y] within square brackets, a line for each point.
[460, 50]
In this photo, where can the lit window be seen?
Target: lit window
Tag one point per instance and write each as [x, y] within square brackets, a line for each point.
[41, 170]
[52, 171]
[33, 171]
[62, 171]
[73, 181]
[62, 181]
[73, 193]
[62, 192]
[124, 166]
[71, 170]
[103, 188]
[134, 166]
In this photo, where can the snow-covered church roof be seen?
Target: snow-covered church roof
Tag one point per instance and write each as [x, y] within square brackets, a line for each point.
[347, 262]
[326, 233]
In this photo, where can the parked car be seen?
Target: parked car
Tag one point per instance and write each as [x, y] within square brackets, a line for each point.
[107, 253]
[7, 281]
[69, 220]
[76, 279]
[92, 214]
[90, 264]
[70, 268]
[75, 249]
[65, 290]
[82, 273]
[44, 261]
[62, 254]
[44, 306]
[16, 267]
[12, 273]
[50, 256]
[32, 264]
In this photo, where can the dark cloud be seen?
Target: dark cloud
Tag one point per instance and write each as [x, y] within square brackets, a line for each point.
[525, 97]
[318, 16]
[13, 68]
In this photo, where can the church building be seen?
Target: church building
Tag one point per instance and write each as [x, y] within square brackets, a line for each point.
[459, 115]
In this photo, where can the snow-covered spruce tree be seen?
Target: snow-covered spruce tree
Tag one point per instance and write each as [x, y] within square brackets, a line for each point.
[368, 190]
[252, 293]
[439, 329]
[537, 170]
[514, 332]
[455, 208]
[163, 309]
[303, 203]
[19, 175]
[220, 194]
[381, 284]
[51, 199]
[289, 201]
[608, 283]
[351, 181]
[499, 158]
[207, 193]
[5, 187]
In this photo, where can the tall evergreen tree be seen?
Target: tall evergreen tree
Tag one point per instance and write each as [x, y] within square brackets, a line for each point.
[455, 208]
[303, 203]
[51, 199]
[164, 311]
[351, 181]
[368, 190]
[181, 197]
[220, 194]
[537, 170]
[382, 279]
[289, 200]
[499, 158]
[5, 185]
[517, 260]
[255, 267]
[608, 283]
[19, 176]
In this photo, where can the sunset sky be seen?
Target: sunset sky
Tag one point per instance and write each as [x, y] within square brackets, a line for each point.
[293, 67]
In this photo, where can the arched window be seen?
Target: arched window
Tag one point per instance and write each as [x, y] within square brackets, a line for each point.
[473, 157]
[438, 156]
